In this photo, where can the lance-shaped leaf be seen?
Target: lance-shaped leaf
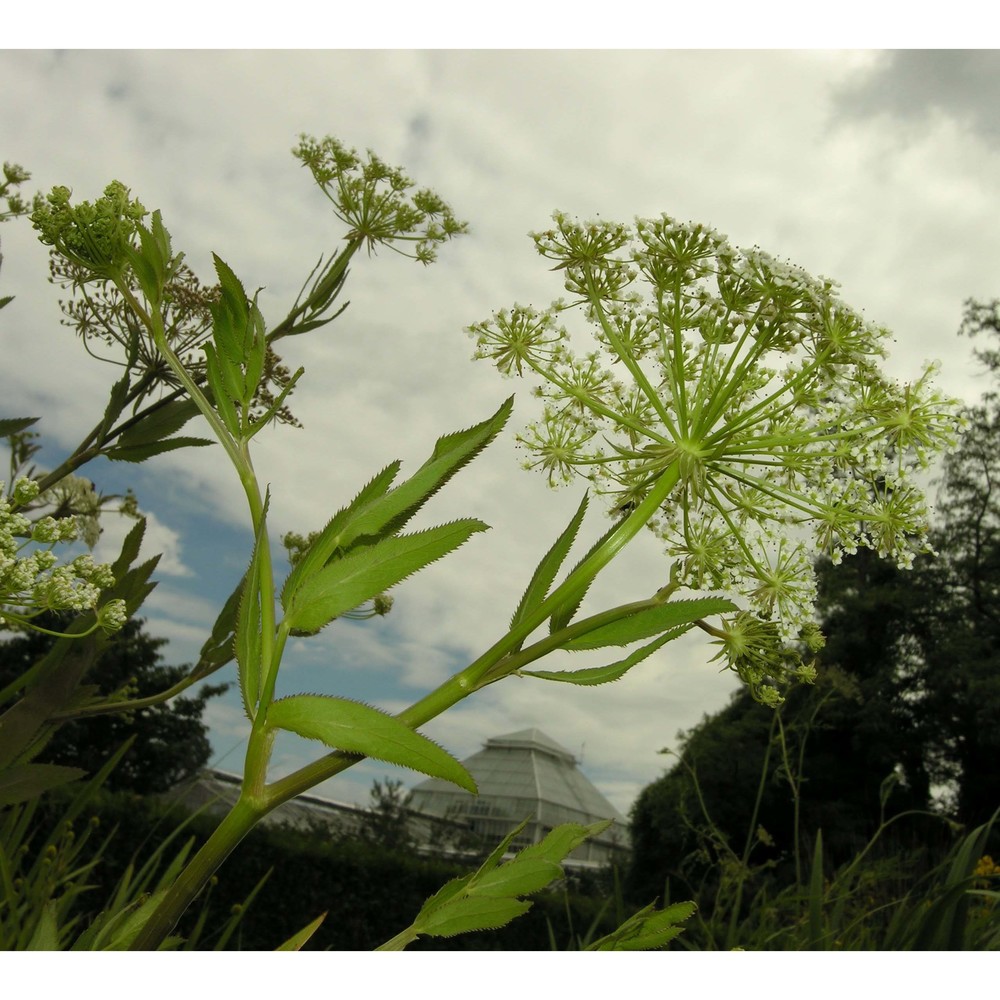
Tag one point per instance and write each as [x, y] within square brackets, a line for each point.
[563, 614]
[376, 513]
[301, 938]
[611, 672]
[222, 392]
[490, 897]
[247, 645]
[451, 454]
[647, 929]
[239, 335]
[158, 424]
[230, 314]
[545, 573]
[322, 547]
[27, 781]
[118, 396]
[651, 621]
[14, 425]
[144, 451]
[369, 571]
[218, 648]
[357, 728]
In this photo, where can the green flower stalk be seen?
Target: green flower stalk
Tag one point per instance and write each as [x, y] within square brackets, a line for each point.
[751, 379]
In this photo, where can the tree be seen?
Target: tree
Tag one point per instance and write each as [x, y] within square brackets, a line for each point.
[387, 821]
[751, 784]
[171, 741]
[959, 680]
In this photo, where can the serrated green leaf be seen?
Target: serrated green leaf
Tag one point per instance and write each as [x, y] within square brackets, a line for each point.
[563, 614]
[247, 643]
[483, 913]
[388, 513]
[255, 349]
[562, 840]
[487, 898]
[545, 572]
[162, 237]
[367, 572]
[358, 728]
[239, 335]
[322, 548]
[651, 621]
[218, 647]
[21, 782]
[131, 545]
[230, 313]
[159, 424]
[144, 269]
[144, 451]
[222, 396]
[612, 671]
[519, 877]
[117, 398]
[647, 929]
[377, 513]
[496, 855]
[451, 454]
[14, 425]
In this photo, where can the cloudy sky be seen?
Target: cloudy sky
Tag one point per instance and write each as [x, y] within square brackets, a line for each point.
[876, 168]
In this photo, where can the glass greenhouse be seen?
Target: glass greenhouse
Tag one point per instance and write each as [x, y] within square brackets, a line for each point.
[526, 775]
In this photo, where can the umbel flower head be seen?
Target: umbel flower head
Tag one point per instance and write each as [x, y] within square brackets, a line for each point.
[742, 376]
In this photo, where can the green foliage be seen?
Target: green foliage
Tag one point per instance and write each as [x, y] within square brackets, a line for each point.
[649, 928]
[169, 741]
[490, 897]
[57, 892]
[906, 885]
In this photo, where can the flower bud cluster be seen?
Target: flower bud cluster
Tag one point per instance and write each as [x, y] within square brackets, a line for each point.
[745, 376]
[31, 582]
[95, 236]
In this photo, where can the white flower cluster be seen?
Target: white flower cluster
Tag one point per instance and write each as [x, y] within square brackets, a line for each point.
[31, 582]
[745, 377]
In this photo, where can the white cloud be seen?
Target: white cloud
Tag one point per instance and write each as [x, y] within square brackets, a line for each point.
[157, 539]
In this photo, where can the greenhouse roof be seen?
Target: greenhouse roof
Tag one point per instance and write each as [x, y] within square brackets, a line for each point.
[518, 775]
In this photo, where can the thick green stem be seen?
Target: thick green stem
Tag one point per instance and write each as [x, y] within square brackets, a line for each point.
[233, 828]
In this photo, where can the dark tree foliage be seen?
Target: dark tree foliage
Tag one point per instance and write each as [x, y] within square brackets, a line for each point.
[171, 741]
[838, 741]
[960, 679]
[387, 820]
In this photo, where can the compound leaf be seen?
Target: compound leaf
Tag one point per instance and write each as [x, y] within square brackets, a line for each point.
[368, 571]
